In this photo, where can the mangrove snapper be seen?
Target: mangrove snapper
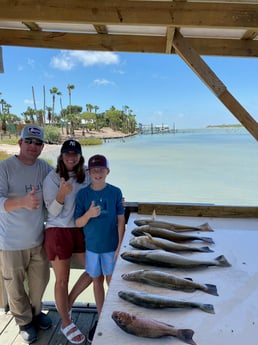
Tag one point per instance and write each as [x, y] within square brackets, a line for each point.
[148, 242]
[147, 300]
[150, 328]
[168, 281]
[161, 258]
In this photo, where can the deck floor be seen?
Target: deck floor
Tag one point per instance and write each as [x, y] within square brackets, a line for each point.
[83, 316]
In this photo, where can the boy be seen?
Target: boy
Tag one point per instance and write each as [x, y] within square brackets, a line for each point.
[100, 211]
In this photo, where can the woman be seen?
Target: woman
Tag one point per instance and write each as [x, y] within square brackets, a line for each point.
[62, 237]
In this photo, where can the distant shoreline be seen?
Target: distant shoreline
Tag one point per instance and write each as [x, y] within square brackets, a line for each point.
[225, 126]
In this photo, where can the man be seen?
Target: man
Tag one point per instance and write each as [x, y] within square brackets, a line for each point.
[24, 265]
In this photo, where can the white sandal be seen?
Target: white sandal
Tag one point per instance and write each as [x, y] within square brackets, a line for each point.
[72, 335]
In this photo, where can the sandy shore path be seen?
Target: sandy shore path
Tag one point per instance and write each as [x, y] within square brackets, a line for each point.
[14, 149]
[104, 133]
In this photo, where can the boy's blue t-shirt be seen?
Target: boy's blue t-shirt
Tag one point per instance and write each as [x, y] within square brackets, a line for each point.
[101, 233]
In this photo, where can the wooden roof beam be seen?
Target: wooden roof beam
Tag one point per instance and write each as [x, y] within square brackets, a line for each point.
[1, 61]
[125, 43]
[204, 72]
[104, 12]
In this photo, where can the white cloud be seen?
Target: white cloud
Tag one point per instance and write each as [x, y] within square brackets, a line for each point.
[102, 82]
[67, 60]
[63, 62]
[28, 102]
[31, 63]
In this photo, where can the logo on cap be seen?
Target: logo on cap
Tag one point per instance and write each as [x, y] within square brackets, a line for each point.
[34, 131]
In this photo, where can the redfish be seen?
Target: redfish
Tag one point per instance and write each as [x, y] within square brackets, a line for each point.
[150, 328]
[172, 226]
[148, 300]
[148, 242]
[168, 281]
[169, 234]
[161, 258]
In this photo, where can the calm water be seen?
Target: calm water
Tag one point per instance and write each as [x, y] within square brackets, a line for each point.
[215, 166]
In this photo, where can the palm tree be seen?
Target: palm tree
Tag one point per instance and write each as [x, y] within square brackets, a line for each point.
[34, 99]
[53, 91]
[70, 87]
[2, 102]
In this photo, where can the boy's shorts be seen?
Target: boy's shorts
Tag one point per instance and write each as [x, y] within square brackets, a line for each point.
[63, 242]
[99, 263]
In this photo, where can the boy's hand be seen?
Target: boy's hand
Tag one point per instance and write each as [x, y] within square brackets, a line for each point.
[94, 211]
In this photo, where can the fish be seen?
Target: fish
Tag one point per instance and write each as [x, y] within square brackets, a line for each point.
[150, 328]
[161, 258]
[169, 234]
[148, 242]
[168, 281]
[172, 226]
[148, 300]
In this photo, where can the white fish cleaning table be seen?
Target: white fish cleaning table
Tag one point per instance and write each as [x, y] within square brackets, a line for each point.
[236, 309]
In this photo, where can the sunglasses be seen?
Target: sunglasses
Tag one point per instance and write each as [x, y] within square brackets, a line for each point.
[33, 141]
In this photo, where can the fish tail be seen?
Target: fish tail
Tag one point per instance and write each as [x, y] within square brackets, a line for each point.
[186, 336]
[211, 289]
[222, 261]
[208, 308]
[205, 227]
[206, 249]
[207, 239]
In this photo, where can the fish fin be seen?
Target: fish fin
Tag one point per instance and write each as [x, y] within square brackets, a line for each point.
[188, 278]
[206, 249]
[207, 239]
[208, 308]
[205, 227]
[186, 336]
[147, 234]
[212, 289]
[222, 261]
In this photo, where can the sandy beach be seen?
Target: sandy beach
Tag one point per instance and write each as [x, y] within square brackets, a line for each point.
[104, 133]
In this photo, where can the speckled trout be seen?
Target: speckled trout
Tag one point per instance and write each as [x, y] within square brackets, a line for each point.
[150, 328]
[168, 281]
[147, 300]
[161, 258]
[169, 234]
[148, 242]
[172, 226]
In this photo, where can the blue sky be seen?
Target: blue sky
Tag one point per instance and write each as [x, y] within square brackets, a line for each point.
[157, 88]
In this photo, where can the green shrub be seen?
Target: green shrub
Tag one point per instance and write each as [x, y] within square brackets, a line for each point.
[90, 141]
[52, 135]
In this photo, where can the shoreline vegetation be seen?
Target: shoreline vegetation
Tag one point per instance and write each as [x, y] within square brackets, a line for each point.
[105, 133]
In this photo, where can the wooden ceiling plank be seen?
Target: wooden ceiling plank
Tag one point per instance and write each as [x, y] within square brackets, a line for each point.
[101, 12]
[204, 72]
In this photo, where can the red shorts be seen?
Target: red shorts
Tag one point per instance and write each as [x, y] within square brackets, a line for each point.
[63, 242]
